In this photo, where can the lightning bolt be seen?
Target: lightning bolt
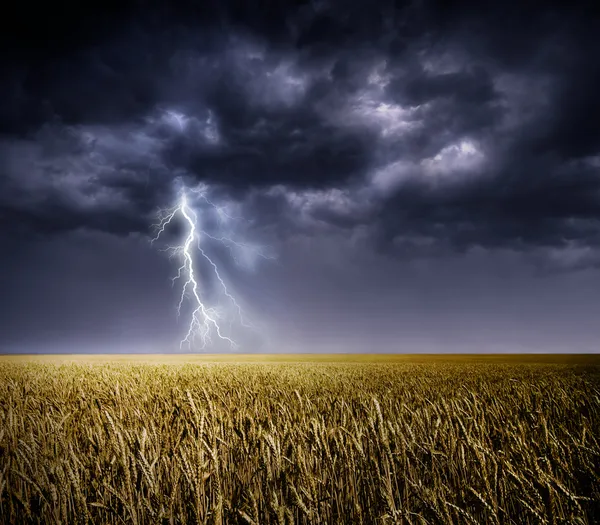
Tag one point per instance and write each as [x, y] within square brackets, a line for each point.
[205, 321]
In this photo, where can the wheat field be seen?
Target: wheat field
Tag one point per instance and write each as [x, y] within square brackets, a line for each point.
[364, 439]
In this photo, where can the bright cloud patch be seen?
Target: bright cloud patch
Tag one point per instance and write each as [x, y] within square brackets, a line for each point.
[310, 206]
[389, 177]
[388, 118]
[463, 156]
[202, 126]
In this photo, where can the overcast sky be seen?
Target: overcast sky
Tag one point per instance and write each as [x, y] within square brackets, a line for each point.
[427, 178]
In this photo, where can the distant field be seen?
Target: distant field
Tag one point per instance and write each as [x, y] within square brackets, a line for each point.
[582, 359]
[300, 439]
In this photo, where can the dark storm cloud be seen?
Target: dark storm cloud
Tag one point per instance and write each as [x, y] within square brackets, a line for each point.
[426, 172]
[544, 206]
[557, 43]
[63, 179]
[270, 130]
[473, 87]
[463, 125]
[539, 185]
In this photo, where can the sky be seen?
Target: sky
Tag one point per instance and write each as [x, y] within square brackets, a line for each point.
[395, 176]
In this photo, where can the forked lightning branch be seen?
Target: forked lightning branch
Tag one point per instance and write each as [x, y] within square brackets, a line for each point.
[206, 322]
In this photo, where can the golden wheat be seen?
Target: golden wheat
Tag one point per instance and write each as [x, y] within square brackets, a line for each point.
[307, 442]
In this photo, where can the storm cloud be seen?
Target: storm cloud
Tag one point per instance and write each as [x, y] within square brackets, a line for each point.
[409, 131]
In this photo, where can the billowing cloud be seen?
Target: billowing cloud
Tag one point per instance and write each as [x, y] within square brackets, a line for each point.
[409, 120]
[428, 173]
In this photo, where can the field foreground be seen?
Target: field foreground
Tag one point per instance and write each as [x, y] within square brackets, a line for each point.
[304, 439]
